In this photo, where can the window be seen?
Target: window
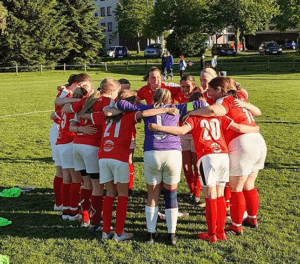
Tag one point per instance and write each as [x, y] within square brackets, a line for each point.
[109, 26]
[96, 14]
[109, 10]
[103, 25]
[102, 11]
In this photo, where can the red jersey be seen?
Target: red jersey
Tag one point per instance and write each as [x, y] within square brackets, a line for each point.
[116, 138]
[210, 101]
[146, 93]
[62, 94]
[64, 134]
[181, 99]
[238, 114]
[208, 134]
[95, 139]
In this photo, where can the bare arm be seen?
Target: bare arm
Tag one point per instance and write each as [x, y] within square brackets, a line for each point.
[173, 130]
[212, 110]
[156, 111]
[244, 128]
[67, 109]
[53, 116]
[63, 101]
[111, 111]
[89, 130]
[85, 116]
[252, 108]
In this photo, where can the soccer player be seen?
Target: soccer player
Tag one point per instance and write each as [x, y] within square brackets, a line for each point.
[206, 76]
[212, 163]
[247, 152]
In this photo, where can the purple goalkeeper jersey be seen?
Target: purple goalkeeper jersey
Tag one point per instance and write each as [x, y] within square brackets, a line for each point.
[159, 140]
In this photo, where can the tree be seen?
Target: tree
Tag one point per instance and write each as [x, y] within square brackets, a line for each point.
[87, 38]
[3, 15]
[245, 15]
[34, 33]
[133, 18]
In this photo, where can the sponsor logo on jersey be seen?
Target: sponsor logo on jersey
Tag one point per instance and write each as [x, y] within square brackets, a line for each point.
[108, 146]
[215, 147]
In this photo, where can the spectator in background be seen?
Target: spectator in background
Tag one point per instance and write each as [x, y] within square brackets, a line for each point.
[202, 62]
[214, 62]
[163, 62]
[169, 66]
[182, 66]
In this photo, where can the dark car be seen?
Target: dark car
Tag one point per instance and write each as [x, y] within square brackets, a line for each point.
[117, 51]
[290, 44]
[153, 50]
[269, 47]
[222, 50]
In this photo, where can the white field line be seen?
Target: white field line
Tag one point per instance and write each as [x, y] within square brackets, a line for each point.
[29, 113]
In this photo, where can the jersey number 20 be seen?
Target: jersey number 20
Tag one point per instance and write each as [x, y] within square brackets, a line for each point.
[213, 126]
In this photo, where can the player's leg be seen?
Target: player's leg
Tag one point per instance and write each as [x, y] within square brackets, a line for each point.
[187, 166]
[197, 183]
[75, 191]
[131, 170]
[66, 186]
[97, 200]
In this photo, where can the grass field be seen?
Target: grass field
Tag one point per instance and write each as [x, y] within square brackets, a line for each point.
[37, 235]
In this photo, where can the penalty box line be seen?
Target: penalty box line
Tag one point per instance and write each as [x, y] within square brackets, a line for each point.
[29, 113]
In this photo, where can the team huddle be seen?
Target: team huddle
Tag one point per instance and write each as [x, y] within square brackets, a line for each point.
[207, 130]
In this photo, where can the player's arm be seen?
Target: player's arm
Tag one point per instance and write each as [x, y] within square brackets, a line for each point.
[212, 110]
[244, 128]
[250, 107]
[53, 116]
[63, 101]
[111, 111]
[85, 116]
[89, 130]
[156, 111]
[173, 130]
[67, 109]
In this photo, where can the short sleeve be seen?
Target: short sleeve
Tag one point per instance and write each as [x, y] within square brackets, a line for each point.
[226, 122]
[76, 107]
[190, 122]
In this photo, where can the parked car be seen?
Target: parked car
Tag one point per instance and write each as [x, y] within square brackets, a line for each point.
[153, 50]
[290, 44]
[269, 47]
[240, 45]
[117, 51]
[222, 50]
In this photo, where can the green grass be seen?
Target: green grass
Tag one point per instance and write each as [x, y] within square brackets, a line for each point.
[37, 235]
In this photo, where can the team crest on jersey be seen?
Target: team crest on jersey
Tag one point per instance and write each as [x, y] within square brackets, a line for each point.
[108, 145]
[215, 147]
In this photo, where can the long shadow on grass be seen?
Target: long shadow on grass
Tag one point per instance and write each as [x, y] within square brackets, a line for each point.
[28, 160]
[32, 216]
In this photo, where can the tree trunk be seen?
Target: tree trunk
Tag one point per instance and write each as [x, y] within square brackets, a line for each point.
[138, 44]
[236, 38]
[243, 40]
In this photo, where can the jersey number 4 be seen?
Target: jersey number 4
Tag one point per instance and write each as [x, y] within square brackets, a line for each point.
[211, 129]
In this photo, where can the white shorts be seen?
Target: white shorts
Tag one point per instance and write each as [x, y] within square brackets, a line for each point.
[53, 137]
[116, 170]
[85, 158]
[66, 155]
[214, 169]
[132, 144]
[247, 154]
[162, 166]
[56, 156]
[187, 143]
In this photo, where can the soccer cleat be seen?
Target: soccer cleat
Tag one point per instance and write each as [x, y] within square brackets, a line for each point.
[188, 197]
[58, 208]
[150, 238]
[131, 193]
[122, 237]
[74, 217]
[171, 239]
[96, 228]
[182, 215]
[85, 224]
[206, 237]
[234, 230]
[107, 236]
[65, 216]
[222, 236]
[251, 222]
[161, 216]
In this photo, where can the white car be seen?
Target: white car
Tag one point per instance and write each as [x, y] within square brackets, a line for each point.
[153, 50]
[117, 51]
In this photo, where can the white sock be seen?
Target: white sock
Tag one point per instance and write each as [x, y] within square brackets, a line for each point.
[171, 218]
[151, 218]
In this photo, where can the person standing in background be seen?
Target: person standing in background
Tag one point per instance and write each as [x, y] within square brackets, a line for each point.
[214, 62]
[182, 66]
[163, 62]
[169, 66]
[202, 62]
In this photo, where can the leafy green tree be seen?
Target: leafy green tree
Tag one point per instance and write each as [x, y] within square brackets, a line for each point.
[87, 38]
[3, 15]
[133, 18]
[34, 33]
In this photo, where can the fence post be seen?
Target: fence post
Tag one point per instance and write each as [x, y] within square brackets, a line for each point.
[105, 65]
[221, 65]
[244, 65]
[41, 69]
[85, 67]
[64, 68]
[268, 65]
[294, 66]
[127, 65]
[16, 68]
[146, 63]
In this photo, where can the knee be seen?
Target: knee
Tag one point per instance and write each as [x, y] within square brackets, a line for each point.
[170, 198]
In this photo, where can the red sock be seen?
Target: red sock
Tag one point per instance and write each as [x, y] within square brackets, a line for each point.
[121, 212]
[197, 185]
[74, 197]
[65, 190]
[107, 213]
[85, 201]
[96, 209]
[237, 207]
[252, 201]
[131, 176]
[57, 182]
[211, 215]
[189, 177]
[221, 214]
[227, 195]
